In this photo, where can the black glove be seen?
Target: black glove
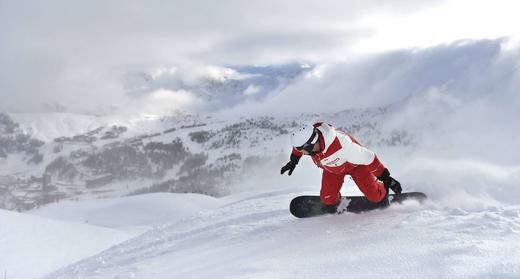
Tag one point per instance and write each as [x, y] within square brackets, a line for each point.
[390, 182]
[291, 165]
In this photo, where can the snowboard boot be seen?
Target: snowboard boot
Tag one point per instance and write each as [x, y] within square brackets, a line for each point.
[390, 182]
[330, 208]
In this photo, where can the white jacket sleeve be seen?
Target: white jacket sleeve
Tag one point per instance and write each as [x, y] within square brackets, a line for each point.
[353, 152]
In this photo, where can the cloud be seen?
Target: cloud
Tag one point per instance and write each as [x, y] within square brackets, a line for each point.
[272, 48]
[463, 69]
[252, 90]
[162, 102]
[75, 53]
[449, 21]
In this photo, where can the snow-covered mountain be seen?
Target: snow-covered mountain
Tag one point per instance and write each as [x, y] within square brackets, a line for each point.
[179, 154]
[46, 157]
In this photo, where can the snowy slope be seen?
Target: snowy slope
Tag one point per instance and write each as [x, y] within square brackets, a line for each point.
[254, 236]
[33, 246]
[60, 234]
[129, 213]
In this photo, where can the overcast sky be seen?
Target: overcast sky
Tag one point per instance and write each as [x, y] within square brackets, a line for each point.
[75, 52]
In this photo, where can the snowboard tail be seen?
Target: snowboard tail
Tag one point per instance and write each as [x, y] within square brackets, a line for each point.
[310, 206]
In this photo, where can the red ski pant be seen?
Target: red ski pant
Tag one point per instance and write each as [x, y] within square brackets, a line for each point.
[365, 177]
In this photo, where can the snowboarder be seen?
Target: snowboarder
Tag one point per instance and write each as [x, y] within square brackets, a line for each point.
[339, 154]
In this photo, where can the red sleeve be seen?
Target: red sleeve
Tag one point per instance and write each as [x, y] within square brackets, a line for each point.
[296, 152]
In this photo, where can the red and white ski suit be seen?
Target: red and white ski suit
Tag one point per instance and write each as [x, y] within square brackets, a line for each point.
[342, 155]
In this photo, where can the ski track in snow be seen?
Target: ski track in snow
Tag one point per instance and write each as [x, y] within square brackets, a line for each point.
[256, 237]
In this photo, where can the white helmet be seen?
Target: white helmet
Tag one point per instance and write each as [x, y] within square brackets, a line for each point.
[304, 135]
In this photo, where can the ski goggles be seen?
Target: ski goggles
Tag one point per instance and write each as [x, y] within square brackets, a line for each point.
[309, 145]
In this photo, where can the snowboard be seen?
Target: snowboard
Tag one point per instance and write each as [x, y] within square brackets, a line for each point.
[311, 206]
